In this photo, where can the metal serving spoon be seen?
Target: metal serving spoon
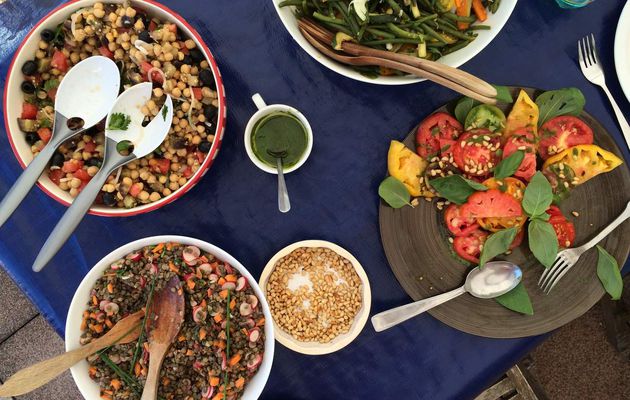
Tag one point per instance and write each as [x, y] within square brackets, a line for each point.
[284, 204]
[145, 139]
[83, 99]
[493, 280]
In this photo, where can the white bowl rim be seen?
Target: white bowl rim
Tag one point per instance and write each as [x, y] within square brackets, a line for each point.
[455, 59]
[81, 297]
[47, 186]
[315, 348]
[622, 56]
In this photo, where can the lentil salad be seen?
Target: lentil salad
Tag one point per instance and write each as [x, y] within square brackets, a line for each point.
[145, 49]
[204, 362]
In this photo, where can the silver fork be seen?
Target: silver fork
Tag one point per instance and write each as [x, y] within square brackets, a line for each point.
[566, 259]
[592, 70]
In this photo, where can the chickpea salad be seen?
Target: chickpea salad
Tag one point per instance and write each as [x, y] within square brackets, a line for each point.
[221, 342]
[145, 49]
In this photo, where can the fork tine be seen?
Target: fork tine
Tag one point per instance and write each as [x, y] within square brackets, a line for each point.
[581, 56]
[558, 272]
[555, 267]
[555, 281]
[548, 271]
[594, 49]
[587, 51]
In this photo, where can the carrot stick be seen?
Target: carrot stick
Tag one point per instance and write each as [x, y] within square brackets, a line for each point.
[480, 10]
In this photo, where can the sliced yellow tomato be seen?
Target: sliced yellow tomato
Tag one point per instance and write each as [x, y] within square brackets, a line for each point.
[406, 166]
[513, 187]
[586, 161]
[524, 114]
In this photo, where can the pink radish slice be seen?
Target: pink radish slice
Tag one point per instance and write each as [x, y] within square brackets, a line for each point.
[191, 254]
[134, 256]
[245, 309]
[103, 304]
[153, 268]
[228, 286]
[255, 362]
[208, 392]
[143, 282]
[254, 335]
[213, 278]
[205, 268]
[117, 265]
[197, 365]
[228, 268]
[249, 323]
[111, 308]
[223, 361]
[241, 283]
[188, 276]
[199, 314]
[253, 300]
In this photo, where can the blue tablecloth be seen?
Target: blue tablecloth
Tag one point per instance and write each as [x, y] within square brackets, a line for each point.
[333, 194]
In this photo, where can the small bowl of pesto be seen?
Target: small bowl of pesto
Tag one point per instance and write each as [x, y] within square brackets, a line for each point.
[277, 129]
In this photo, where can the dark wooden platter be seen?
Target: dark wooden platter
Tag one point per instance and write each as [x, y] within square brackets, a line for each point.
[416, 246]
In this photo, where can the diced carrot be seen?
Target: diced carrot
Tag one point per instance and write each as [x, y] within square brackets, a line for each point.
[137, 369]
[230, 278]
[223, 294]
[220, 344]
[109, 392]
[209, 292]
[239, 382]
[261, 322]
[86, 313]
[232, 303]
[218, 318]
[106, 396]
[462, 9]
[110, 288]
[116, 384]
[169, 246]
[145, 345]
[219, 396]
[92, 371]
[198, 274]
[191, 284]
[203, 259]
[202, 333]
[214, 381]
[245, 332]
[235, 359]
[221, 281]
[94, 300]
[203, 303]
[84, 323]
[109, 323]
[166, 380]
[189, 352]
[480, 10]
[173, 267]
[181, 338]
[158, 248]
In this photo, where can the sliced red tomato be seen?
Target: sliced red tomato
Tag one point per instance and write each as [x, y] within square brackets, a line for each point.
[469, 247]
[171, 27]
[554, 210]
[456, 224]
[197, 93]
[152, 26]
[518, 239]
[188, 172]
[82, 174]
[155, 75]
[522, 139]
[565, 230]
[105, 52]
[59, 61]
[491, 204]
[435, 127]
[560, 133]
[135, 189]
[89, 147]
[72, 165]
[476, 152]
[29, 111]
[44, 134]
[447, 146]
[55, 175]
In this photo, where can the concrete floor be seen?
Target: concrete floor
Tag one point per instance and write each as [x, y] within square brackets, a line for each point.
[577, 362]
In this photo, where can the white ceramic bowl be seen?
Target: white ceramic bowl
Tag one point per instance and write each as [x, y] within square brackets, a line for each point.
[622, 52]
[341, 341]
[89, 388]
[455, 59]
[13, 98]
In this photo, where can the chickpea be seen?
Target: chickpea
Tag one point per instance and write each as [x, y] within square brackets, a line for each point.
[75, 182]
[92, 170]
[162, 179]
[155, 196]
[74, 192]
[185, 69]
[112, 17]
[166, 191]
[99, 13]
[176, 92]
[144, 195]
[181, 181]
[127, 181]
[40, 54]
[130, 12]
[173, 186]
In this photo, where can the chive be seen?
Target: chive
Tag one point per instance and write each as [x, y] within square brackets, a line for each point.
[129, 380]
[136, 352]
[227, 347]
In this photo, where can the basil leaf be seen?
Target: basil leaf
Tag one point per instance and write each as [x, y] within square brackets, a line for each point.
[503, 94]
[394, 192]
[463, 107]
[543, 241]
[608, 273]
[456, 188]
[509, 165]
[567, 101]
[517, 300]
[497, 243]
[538, 196]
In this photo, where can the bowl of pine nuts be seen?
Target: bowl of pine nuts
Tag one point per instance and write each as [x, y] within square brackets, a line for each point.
[149, 42]
[319, 296]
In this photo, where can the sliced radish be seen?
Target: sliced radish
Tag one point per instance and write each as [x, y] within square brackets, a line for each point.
[143, 282]
[153, 268]
[205, 268]
[134, 256]
[197, 365]
[223, 361]
[253, 300]
[213, 278]
[188, 276]
[191, 254]
[254, 362]
[111, 308]
[228, 268]
[254, 335]
[116, 265]
[100, 316]
[208, 392]
[241, 283]
[103, 304]
[249, 323]
[245, 309]
[229, 286]
[199, 314]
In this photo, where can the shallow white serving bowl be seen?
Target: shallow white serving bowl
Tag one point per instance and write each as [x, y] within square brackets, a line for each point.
[13, 98]
[90, 389]
[622, 50]
[341, 341]
[455, 59]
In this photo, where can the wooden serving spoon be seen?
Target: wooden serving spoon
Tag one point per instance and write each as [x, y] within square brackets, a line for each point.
[125, 331]
[166, 317]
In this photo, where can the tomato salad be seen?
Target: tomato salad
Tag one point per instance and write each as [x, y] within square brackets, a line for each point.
[481, 162]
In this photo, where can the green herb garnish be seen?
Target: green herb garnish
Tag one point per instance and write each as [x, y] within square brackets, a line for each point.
[463, 107]
[136, 352]
[51, 84]
[543, 241]
[456, 188]
[164, 112]
[538, 196]
[119, 122]
[608, 273]
[553, 103]
[394, 192]
[497, 243]
[509, 165]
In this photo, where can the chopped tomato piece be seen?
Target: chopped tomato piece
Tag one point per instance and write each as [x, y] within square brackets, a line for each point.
[561, 133]
[490, 204]
[435, 127]
[152, 26]
[515, 188]
[200, 156]
[456, 224]
[565, 230]
[188, 172]
[44, 134]
[197, 93]
[52, 93]
[171, 27]
[82, 174]
[59, 61]
[135, 189]
[55, 175]
[446, 147]
[29, 111]
[469, 247]
[105, 52]
[162, 165]
[155, 75]
[72, 166]
[89, 147]
[476, 152]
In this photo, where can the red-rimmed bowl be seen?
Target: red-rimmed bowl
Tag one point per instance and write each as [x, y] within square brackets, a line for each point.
[13, 98]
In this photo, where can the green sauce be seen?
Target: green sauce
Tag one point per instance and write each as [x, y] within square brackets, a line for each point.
[279, 132]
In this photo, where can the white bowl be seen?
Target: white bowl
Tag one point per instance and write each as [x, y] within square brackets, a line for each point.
[13, 98]
[622, 54]
[89, 388]
[455, 59]
[341, 341]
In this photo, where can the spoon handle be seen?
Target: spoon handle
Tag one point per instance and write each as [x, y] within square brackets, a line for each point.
[284, 204]
[80, 206]
[157, 351]
[395, 316]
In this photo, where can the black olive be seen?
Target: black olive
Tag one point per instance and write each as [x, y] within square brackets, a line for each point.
[94, 162]
[187, 60]
[177, 64]
[204, 146]
[47, 35]
[31, 138]
[57, 159]
[207, 78]
[127, 22]
[109, 199]
[29, 67]
[28, 87]
[178, 143]
[196, 55]
[104, 41]
[210, 112]
[145, 37]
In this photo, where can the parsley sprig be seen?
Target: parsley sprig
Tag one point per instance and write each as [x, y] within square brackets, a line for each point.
[119, 122]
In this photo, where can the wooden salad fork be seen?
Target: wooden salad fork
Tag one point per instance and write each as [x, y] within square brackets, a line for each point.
[450, 77]
[28, 379]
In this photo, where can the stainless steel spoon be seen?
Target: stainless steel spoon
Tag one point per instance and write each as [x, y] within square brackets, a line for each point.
[284, 204]
[494, 279]
[83, 99]
[145, 139]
